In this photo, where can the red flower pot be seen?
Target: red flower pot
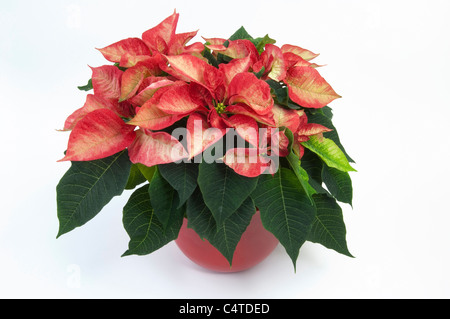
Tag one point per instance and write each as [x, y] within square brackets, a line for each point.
[256, 245]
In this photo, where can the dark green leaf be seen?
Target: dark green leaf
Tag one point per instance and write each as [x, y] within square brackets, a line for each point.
[226, 236]
[182, 177]
[313, 166]
[274, 85]
[211, 58]
[292, 105]
[324, 117]
[286, 210]
[329, 227]
[223, 59]
[164, 201]
[241, 34]
[199, 216]
[327, 111]
[223, 190]
[142, 225]
[87, 187]
[136, 178]
[119, 67]
[87, 87]
[338, 183]
[281, 93]
[260, 73]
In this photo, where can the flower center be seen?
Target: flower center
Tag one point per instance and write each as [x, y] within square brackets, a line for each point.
[220, 108]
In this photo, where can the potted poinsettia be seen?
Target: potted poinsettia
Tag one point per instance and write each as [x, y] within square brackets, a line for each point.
[227, 147]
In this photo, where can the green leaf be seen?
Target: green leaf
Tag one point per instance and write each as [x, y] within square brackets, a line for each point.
[329, 227]
[199, 216]
[164, 201]
[241, 34]
[136, 178]
[89, 186]
[301, 174]
[312, 164]
[338, 183]
[182, 177]
[260, 43]
[290, 137]
[260, 73]
[221, 58]
[329, 152]
[298, 170]
[211, 58]
[146, 171]
[87, 87]
[324, 117]
[281, 93]
[142, 225]
[327, 111]
[226, 236]
[286, 210]
[119, 67]
[223, 190]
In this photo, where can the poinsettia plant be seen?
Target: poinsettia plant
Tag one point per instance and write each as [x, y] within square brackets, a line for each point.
[202, 130]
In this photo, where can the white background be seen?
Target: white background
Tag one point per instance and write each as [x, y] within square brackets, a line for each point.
[389, 59]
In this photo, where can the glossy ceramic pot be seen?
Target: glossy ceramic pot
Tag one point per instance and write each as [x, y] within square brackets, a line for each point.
[255, 246]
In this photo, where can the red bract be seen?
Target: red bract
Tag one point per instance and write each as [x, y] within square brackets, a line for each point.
[125, 51]
[154, 148]
[225, 85]
[237, 49]
[200, 135]
[151, 117]
[99, 134]
[93, 102]
[246, 161]
[106, 81]
[308, 88]
[273, 62]
[159, 82]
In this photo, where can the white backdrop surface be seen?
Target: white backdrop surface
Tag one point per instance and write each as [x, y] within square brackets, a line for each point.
[388, 59]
